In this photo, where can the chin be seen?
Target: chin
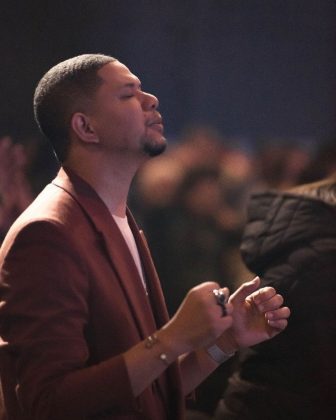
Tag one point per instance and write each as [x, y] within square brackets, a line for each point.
[155, 148]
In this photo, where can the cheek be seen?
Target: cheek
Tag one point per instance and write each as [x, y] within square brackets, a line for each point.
[130, 119]
[119, 121]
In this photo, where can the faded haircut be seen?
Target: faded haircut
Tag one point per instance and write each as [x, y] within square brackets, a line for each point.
[65, 89]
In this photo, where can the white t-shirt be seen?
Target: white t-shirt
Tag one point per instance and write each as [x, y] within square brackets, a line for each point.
[123, 225]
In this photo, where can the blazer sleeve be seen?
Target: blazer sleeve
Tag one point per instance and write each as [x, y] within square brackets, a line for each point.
[43, 317]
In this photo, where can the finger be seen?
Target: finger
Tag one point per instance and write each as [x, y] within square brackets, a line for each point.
[279, 324]
[240, 295]
[262, 295]
[226, 313]
[278, 314]
[205, 289]
[209, 285]
[271, 304]
[229, 308]
[221, 297]
[226, 294]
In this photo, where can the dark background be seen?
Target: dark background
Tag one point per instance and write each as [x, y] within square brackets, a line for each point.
[254, 69]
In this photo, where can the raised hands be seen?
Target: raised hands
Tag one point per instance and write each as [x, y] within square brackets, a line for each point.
[253, 315]
[257, 315]
[15, 192]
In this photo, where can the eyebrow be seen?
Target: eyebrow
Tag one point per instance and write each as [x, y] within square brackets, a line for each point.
[132, 85]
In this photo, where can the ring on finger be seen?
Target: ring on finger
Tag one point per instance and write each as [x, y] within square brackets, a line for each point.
[221, 300]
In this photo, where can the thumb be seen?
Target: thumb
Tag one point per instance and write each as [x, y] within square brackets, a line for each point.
[244, 290]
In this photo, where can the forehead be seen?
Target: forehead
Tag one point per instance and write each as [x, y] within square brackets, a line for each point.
[117, 75]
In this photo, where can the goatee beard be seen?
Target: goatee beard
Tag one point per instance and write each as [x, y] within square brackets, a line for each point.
[154, 149]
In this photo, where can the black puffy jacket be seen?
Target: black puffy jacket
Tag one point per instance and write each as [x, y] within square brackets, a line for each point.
[290, 242]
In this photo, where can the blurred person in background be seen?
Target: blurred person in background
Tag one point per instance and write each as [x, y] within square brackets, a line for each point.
[322, 165]
[280, 165]
[199, 146]
[290, 242]
[15, 189]
[25, 167]
[196, 242]
[83, 320]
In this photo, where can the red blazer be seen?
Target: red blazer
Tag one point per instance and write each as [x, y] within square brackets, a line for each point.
[72, 303]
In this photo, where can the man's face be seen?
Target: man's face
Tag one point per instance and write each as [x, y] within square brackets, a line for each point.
[124, 117]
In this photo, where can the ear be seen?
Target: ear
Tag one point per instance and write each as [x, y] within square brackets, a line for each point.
[81, 125]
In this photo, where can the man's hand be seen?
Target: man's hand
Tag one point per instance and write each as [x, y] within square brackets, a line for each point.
[198, 321]
[257, 316]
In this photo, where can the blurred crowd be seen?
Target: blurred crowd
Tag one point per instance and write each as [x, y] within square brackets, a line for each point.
[25, 167]
[190, 202]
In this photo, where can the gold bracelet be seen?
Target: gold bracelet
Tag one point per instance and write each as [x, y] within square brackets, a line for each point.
[150, 342]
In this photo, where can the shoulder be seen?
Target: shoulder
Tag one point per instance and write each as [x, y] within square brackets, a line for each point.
[54, 216]
[280, 222]
[53, 204]
[323, 190]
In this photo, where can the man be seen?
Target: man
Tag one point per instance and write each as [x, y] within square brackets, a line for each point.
[85, 328]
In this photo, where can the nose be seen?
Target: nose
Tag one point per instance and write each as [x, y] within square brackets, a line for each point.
[149, 101]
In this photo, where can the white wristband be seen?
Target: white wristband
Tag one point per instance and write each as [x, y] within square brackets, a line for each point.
[218, 355]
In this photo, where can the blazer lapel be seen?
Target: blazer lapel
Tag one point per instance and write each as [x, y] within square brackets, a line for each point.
[154, 287]
[116, 248]
[170, 384]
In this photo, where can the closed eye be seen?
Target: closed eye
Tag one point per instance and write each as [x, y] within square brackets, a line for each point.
[128, 96]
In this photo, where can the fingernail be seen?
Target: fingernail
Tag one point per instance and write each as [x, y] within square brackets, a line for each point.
[254, 280]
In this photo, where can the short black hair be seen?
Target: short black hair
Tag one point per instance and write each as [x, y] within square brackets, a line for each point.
[66, 88]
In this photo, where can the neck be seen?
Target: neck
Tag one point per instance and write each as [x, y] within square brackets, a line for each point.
[111, 180]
